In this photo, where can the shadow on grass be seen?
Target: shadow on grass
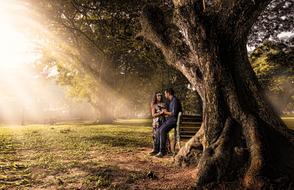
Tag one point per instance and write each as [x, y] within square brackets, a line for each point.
[119, 141]
[93, 175]
[110, 177]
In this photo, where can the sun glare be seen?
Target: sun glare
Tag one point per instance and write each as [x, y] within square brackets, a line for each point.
[25, 94]
[16, 48]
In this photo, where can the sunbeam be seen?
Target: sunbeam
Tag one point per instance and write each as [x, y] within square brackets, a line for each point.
[26, 95]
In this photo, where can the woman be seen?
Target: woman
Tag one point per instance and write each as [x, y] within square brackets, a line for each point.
[157, 105]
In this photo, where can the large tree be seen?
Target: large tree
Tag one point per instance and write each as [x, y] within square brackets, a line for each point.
[242, 139]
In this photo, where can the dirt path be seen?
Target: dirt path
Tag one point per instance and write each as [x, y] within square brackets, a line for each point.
[122, 171]
[167, 175]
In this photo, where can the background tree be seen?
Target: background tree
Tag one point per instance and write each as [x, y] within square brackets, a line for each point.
[273, 63]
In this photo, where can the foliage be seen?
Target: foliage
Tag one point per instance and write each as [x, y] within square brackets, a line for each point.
[103, 34]
[278, 17]
[273, 64]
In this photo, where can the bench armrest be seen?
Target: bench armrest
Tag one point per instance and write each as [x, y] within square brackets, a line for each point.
[178, 126]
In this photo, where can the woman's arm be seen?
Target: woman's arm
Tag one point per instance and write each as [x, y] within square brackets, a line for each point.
[153, 112]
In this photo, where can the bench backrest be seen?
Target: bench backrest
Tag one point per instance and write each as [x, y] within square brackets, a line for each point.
[188, 125]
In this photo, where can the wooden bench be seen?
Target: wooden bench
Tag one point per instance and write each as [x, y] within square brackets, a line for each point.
[187, 126]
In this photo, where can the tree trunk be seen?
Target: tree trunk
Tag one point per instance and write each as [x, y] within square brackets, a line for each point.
[105, 116]
[104, 108]
[241, 130]
[241, 139]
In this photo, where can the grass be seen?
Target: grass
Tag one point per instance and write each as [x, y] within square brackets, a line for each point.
[37, 155]
[82, 157]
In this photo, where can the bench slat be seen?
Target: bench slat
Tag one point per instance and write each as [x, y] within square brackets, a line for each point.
[191, 117]
[190, 134]
[198, 118]
[194, 118]
[191, 123]
[189, 129]
[191, 120]
[186, 136]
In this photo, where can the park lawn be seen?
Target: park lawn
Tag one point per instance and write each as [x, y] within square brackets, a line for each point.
[84, 157]
[87, 157]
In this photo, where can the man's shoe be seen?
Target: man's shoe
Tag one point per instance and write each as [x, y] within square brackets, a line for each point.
[153, 153]
[159, 155]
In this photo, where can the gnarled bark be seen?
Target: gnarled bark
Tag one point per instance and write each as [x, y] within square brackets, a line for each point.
[192, 150]
[242, 139]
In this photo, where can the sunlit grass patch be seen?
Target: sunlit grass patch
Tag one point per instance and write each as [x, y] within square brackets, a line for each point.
[13, 171]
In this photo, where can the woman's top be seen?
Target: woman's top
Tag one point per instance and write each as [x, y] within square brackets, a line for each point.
[157, 121]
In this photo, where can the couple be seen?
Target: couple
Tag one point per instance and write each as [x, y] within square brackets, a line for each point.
[164, 120]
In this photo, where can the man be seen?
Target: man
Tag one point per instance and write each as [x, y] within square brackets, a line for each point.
[172, 115]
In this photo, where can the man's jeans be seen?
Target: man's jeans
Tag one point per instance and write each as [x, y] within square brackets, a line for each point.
[161, 135]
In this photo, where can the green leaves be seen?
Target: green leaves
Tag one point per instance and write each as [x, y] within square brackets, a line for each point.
[273, 63]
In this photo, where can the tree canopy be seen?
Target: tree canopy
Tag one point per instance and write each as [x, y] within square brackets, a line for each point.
[103, 34]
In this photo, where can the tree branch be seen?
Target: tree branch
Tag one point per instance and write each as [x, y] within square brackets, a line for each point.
[166, 36]
[244, 14]
[154, 26]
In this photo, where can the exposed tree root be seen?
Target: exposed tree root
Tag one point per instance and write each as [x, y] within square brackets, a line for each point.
[252, 178]
[215, 159]
[239, 156]
[192, 150]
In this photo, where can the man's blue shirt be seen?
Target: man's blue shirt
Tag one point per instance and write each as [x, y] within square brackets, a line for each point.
[174, 107]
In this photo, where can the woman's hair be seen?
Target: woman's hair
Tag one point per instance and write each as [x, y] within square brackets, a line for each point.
[154, 100]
